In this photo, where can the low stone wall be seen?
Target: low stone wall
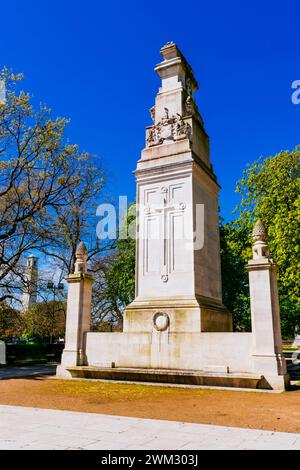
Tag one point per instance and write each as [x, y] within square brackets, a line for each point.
[190, 351]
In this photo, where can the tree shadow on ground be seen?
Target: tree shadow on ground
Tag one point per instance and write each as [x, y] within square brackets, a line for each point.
[25, 372]
[40, 377]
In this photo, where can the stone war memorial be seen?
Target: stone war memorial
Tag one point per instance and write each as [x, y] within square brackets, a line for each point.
[177, 329]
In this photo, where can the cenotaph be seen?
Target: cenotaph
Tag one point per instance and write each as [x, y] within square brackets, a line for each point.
[177, 328]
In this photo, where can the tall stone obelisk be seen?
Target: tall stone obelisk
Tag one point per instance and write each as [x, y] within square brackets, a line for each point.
[178, 271]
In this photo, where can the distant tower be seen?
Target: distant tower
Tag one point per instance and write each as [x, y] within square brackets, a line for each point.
[31, 276]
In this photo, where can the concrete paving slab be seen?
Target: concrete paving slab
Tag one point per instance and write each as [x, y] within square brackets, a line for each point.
[57, 429]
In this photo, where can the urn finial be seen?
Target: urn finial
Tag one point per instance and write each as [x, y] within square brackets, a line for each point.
[81, 258]
[260, 247]
[259, 232]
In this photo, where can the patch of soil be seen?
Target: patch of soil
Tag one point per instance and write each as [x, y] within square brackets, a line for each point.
[275, 412]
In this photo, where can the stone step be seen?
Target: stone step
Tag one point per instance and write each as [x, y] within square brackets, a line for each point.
[173, 376]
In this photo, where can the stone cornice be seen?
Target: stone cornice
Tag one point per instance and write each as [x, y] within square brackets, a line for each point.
[79, 277]
[176, 166]
[263, 265]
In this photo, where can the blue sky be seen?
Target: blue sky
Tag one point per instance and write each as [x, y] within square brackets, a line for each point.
[93, 61]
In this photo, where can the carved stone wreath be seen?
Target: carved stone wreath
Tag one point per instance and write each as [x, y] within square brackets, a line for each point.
[161, 321]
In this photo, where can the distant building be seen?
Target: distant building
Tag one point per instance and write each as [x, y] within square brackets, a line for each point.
[31, 277]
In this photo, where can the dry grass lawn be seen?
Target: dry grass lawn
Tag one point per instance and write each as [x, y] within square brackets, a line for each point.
[270, 411]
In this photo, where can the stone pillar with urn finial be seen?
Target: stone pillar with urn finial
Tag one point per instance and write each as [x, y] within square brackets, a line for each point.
[78, 313]
[268, 357]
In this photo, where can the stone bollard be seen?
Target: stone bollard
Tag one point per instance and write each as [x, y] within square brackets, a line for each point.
[296, 342]
[2, 353]
[78, 314]
[267, 354]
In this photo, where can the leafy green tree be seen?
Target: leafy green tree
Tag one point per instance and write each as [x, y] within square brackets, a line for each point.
[11, 322]
[45, 320]
[48, 187]
[75, 220]
[114, 287]
[270, 190]
[235, 252]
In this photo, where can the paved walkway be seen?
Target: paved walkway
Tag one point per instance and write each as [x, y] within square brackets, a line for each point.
[15, 372]
[30, 428]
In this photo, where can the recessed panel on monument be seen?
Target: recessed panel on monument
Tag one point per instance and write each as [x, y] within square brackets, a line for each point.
[165, 259]
[178, 251]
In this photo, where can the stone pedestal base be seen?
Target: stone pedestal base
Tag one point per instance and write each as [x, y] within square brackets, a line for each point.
[184, 315]
[70, 358]
[270, 364]
[73, 357]
[173, 376]
[273, 367]
[211, 353]
[63, 373]
[278, 382]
